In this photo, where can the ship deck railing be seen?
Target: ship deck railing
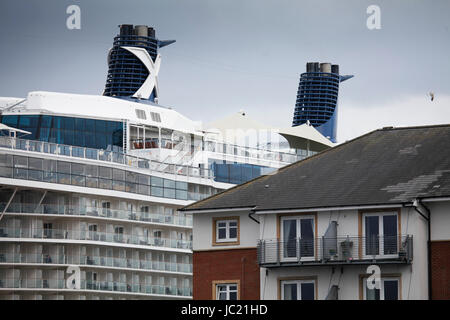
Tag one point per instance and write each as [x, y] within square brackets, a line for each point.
[94, 260]
[103, 155]
[254, 153]
[92, 211]
[117, 286]
[86, 235]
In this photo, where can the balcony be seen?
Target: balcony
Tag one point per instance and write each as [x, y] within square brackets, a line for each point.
[335, 251]
[117, 286]
[103, 156]
[36, 208]
[74, 234]
[95, 260]
[251, 152]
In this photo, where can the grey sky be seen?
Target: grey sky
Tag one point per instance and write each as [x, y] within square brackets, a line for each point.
[234, 54]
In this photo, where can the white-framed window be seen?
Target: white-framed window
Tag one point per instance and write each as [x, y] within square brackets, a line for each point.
[226, 230]
[389, 289]
[298, 237]
[380, 234]
[298, 290]
[227, 291]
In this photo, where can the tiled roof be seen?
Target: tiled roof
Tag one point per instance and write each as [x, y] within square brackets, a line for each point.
[386, 166]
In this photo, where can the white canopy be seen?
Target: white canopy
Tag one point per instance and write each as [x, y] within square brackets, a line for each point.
[238, 125]
[299, 135]
[5, 127]
[238, 120]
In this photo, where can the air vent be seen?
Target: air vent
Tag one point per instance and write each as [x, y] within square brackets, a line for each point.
[141, 114]
[155, 116]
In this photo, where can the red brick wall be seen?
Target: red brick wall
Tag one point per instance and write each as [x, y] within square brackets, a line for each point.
[233, 264]
[440, 269]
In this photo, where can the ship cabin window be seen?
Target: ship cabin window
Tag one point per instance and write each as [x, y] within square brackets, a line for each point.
[118, 234]
[144, 137]
[141, 114]
[155, 116]
[80, 132]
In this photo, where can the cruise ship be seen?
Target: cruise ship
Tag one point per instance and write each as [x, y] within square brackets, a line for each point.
[90, 184]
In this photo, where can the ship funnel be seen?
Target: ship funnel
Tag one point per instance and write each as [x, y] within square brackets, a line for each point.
[133, 64]
[317, 98]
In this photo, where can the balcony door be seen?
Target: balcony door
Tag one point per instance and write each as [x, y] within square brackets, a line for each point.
[380, 233]
[48, 230]
[91, 280]
[297, 234]
[93, 232]
[118, 234]
[106, 209]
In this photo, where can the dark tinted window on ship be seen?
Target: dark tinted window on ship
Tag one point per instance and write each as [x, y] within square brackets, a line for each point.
[85, 175]
[236, 173]
[89, 133]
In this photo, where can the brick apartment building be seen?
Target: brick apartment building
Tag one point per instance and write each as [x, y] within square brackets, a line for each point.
[241, 268]
[440, 261]
[311, 230]
[225, 258]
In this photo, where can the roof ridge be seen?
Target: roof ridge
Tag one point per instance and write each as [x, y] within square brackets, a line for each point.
[254, 194]
[185, 208]
[221, 192]
[387, 128]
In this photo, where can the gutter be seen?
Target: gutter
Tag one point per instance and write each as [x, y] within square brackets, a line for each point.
[435, 199]
[318, 209]
[215, 210]
[252, 212]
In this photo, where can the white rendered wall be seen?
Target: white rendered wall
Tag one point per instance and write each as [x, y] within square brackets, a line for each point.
[440, 220]
[414, 279]
[203, 230]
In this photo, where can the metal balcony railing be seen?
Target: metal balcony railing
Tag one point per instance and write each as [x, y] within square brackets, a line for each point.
[253, 153]
[96, 212]
[141, 288]
[103, 155]
[334, 251]
[95, 260]
[77, 234]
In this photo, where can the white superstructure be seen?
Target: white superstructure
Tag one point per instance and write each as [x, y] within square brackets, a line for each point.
[78, 222]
